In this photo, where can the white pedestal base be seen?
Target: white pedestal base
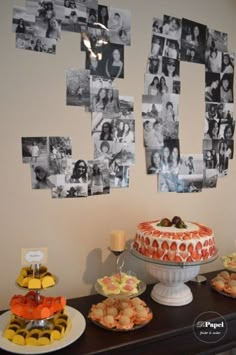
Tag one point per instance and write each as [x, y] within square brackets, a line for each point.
[171, 290]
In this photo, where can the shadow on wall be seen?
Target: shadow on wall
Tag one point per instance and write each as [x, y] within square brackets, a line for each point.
[96, 267]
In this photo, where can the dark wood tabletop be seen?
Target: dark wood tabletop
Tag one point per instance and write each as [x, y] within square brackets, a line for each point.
[169, 332]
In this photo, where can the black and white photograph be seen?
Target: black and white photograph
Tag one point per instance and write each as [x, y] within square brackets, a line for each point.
[171, 68]
[170, 158]
[75, 19]
[226, 88]
[191, 165]
[153, 161]
[186, 185]
[46, 9]
[154, 65]
[210, 177]
[210, 154]
[157, 46]
[190, 178]
[123, 153]
[48, 29]
[35, 149]
[76, 171]
[103, 150]
[119, 176]
[127, 106]
[216, 40]
[98, 177]
[93, 38]
[104, 100]
[102, 128]
[151, 111]
[42, 177]
[152, 86]
[226, 130]
[119, 26]
[36, 44]
[167, 182]
[170, 165]
[70, 190]
[193, 39]
[172, 27]
[22, 22]
[124, 130]
[213, 60]
[212, 88]
[103, 16]
[172, 48]
[94, 63]
[225, 153]
[97, 82]
[60, 149]
[227, 63]
[77, 87]
[170, 116]
[157, 25]
[153, 133]
[92, 16]
[113, 61]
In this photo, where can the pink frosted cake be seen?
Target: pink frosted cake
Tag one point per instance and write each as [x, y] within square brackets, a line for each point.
[176, 242]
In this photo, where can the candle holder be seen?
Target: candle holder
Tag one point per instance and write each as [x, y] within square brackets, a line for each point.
[119, 263]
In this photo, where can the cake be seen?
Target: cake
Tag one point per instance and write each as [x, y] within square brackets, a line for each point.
[174, 241]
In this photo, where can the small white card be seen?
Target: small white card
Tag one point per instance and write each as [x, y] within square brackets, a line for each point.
[34, 256]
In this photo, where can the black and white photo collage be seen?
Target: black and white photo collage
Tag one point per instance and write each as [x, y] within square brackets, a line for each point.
[112, 123]
[218, 144]
[175, 40]
[39, 25]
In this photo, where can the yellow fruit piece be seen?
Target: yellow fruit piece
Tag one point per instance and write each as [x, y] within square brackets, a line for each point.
[19, 337]
[34, 284]
[48, 281]
[46, 338]
[58, 332]
[25, 282]
[10, 332]
[32, 338]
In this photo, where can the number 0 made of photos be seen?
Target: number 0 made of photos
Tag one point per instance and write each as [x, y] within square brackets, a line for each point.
[174, 40]
[105, 31]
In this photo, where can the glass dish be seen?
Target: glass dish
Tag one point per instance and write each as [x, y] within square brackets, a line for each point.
[171, 263]
[141, 287]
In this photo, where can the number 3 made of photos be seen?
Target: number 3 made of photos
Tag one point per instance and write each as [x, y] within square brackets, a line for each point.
[175, 40]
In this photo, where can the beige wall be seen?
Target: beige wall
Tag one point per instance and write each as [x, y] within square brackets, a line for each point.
[76, 231]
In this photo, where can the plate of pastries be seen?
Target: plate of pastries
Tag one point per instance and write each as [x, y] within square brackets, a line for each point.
[225, 283]
[124, 314]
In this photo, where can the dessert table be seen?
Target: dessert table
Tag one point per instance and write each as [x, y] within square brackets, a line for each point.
[169, 332]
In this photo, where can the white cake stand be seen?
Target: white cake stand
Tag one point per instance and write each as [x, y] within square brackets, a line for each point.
[171, 289]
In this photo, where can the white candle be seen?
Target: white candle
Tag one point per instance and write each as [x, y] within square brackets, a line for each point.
[118, 240]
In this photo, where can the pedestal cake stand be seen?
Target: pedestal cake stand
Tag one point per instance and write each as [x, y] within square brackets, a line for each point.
[171, 289]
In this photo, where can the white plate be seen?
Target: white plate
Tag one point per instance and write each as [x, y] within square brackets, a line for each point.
[77, 329]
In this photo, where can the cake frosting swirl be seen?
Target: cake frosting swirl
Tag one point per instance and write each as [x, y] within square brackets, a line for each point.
[194, 242]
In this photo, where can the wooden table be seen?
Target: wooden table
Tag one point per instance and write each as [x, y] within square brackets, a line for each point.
[170, 331]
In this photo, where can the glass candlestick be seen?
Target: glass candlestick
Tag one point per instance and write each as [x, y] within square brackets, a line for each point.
[119, 263]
